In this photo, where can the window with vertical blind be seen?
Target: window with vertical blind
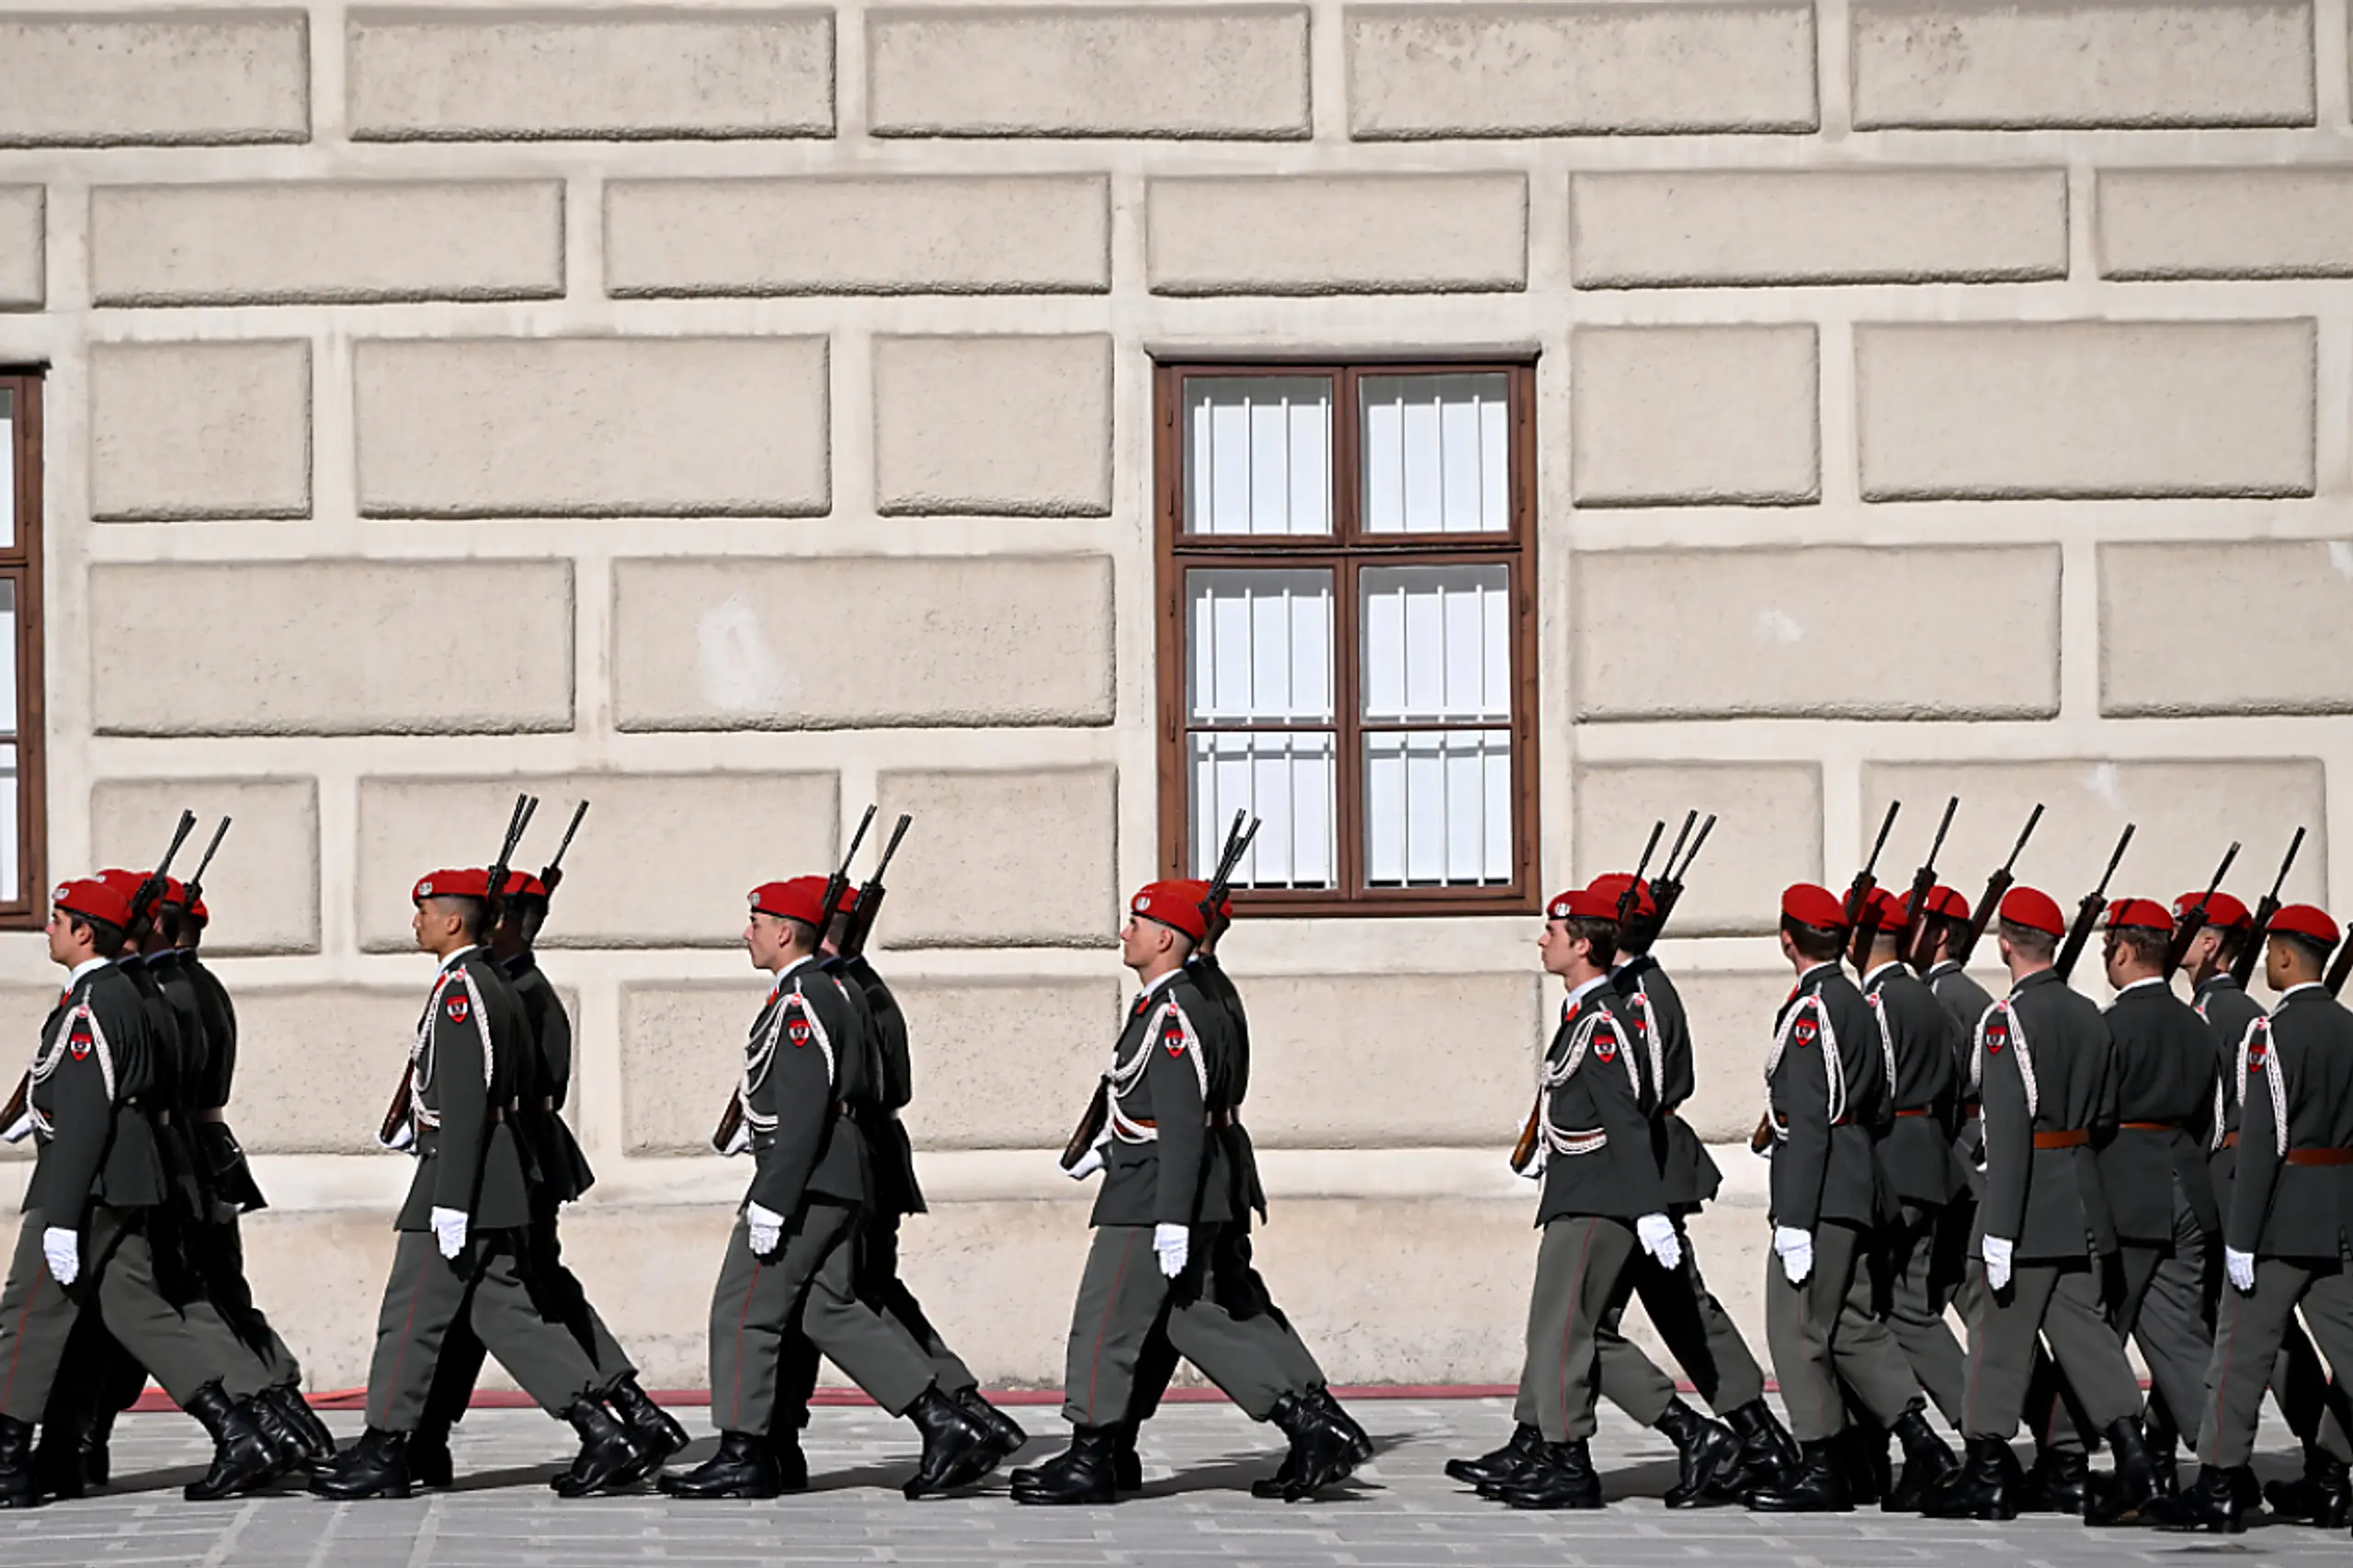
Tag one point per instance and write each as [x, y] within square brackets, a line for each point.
[23, 893]
[1347, 634]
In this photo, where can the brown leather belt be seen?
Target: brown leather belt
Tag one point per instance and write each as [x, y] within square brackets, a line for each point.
[2230, 1140]
[1216, 1118]
[2320, 1156]
[2153, 1127]
[1970, 1109]
[1921, 1111]
[2072, 1138]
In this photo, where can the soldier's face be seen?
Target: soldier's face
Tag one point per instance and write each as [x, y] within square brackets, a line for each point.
[1558, 947]
[764, 939]
[61, 940]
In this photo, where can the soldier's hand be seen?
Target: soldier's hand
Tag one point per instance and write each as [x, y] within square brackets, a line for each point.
[62, 1247]
[2240, 1267]
[20, 1131]
[763, 1230]
[450, 1231]
[1174, 1246]
[1088, 1163]
[1761, 1140]
[1656, 1233]
[1795, 1249]
[1996, 1251]
[739, 1141]
[400, 1140]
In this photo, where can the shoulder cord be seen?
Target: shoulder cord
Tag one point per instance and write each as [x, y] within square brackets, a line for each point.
[52, 1052]
[1583, 1139]
[760, 1055]
[1124, 1076]
[2019, 1049]
[2275, 1072]
[420, 1055]
[1834, 1065]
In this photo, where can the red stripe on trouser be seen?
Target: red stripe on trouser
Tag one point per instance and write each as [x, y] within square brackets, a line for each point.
[1569, 1325]
[406, 1323]
[16, 1354]
[735, 1411]
[1095, 1366]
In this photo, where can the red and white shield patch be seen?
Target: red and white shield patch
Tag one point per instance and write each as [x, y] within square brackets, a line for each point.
[1996, 1037]
[796, 1030]
[458, 1007]
[1804, 1032]
[79, 1042]
[1606, 1047]
[1172, 1037]
[2256, 1054]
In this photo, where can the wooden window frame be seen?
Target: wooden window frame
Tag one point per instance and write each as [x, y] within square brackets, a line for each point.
[20, 562]
[1344, 553]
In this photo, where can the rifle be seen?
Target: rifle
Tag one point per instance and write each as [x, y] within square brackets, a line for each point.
[396, 1114]
[552, 873]
[1667, 889]
[142, 903]
[2251, 950]
[2087, 912]
[2335, 980]
[196, 883]
[2186, 929]
[1631, 901]
[1996, 886]
[1861, 920]
[869, 902]
[1923, 882]
[1238, 840]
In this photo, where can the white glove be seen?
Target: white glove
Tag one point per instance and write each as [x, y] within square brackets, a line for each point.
[62, 1247]
[1175, 1244]
[764, 1228]
[1656, 1233]
[20, 1131]
[1534, 1169]
[450, 1231]
[1795, 1249]
[2240, 1267]
[739, 1141]
[398, 1141]
[1088, 1163]
[1996, 1252]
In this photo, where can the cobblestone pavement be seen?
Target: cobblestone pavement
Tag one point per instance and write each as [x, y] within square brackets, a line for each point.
[1196, 1510]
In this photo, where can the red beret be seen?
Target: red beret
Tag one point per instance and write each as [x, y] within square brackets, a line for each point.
[1175, 905]
[175, 891]
[93, 899]
[2222, 912]
[2146, 913]
[471, 882]
[848, 901]
[1890, 911]
[201, 915]
[1583, 904]
[1613, 888]
[1198, 890]
[796, 898]
[2035, 910]
[519, 884]
[2305, 920]
[124, 882]
[1943, 901]
[1811, 905]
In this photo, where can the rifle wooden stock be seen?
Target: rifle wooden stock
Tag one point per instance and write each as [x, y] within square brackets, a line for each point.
[2251, 948]
[2339, 971]
[2087, 912]
[1762, 1139]
[1090, 1125]
[730, 1121]
[14, 1111]
[396, 1115]
[1523, 1150]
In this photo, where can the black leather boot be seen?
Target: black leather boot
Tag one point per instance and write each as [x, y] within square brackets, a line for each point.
[2056, 1483]
[1562, 1477]
[242, 1458]
[19, 1488]
[1926, 1461]
[2323, 1495]
[956, 1448]
[1321, 1453]
[2163, 1441]
[1503, 1466]
[57, 1464]
[609, 1456]
[1707, 1450]
[744, 1466]
[1870, 1476]
[1127, 1465]
[1984, 1487]
[1319, 1399]
[429, 1463]
[1005, 1433]
[375, 1466]
[1080, 1474]
[317, 1442]
[2211, 1503]
[791, 1464]
[2121, 1497]
[1818, 1485]
[654, 1429]
[289, 1450]
[1768, 1452]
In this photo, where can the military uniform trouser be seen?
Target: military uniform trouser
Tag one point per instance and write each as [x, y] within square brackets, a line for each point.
[557, 1293]
[1826, 1345]
[880, 1287]
[484, 1285]
[118, 1279]
[1697, 1331]
[2314, 1405]
[2161, 1307]
[1247, 1301]
[1918, 1291]
[2059, 1302]
[1582, 1266]
[2053, 1413]
[811, 1277]
[2247, 1331]
[1123, 1298]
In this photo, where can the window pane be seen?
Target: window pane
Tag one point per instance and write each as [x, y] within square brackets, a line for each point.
[11, 874]
[1435, 643]
[7, 468]
[1258, 454]
[1437, 807]
[1437, 453]
[1286, 780]
[1258, 647]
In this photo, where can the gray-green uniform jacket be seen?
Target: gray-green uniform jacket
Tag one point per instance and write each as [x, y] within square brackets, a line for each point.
[1170, 1091]
[470, 1062]
[1210, 977]
[1964, 1002]
[806, 1067]
[1595, 1117]
[1826, 1092]
[559, 1169]
[224, 1159]
[1916, 1036]
[93, 1140]
[2164, 1108]
[2295, 1083]
[1655, 1010]
[2229, 1012]
[895, 1189]
[173, 1052]
[2044, 1064]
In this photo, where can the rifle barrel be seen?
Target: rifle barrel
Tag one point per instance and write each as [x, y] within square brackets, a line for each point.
[1942, 828]
[1649, 849]
[565, 843]
[1705, 828]
[1885, 824]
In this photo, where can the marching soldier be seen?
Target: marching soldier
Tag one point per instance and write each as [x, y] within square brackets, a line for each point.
[809, 1074]
[465, 1248]
[2315, 1410]
[562, 1175]
[2290, 1231]
[1603, 1200]
[1915, 1038]
[1157, 1259]
[1827, 1088]
[2153, 1167]
[2044, 1228]
[97, 1183]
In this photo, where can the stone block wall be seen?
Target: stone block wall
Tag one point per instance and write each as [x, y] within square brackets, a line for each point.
[734, 413]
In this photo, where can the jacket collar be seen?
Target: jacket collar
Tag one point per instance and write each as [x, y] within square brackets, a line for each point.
[2040, 977]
